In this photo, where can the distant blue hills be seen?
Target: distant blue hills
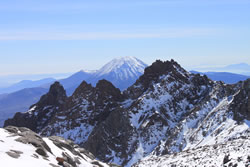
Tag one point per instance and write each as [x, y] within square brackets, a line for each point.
[241, 68]
[226, 77]
[26, 84]
[18, 101]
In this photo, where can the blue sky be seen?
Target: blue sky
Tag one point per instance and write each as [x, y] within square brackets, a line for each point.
[55, 36]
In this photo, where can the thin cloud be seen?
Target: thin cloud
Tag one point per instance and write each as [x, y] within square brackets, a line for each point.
[171, 33]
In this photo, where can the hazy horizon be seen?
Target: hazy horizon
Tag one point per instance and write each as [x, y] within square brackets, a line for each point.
[202, 68]
[7, 80]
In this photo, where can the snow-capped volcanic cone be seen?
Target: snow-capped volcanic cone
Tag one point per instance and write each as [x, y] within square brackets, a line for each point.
[122, 72]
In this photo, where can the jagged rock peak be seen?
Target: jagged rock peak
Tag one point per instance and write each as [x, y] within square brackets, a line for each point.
[56, 88]
[103, 87]
[40, 113]
[152, 75]
[159, 68]
[55, 96]
[108, 88]
[83, 87]
[104, 84]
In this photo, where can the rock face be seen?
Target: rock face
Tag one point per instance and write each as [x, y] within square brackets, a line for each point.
[18, 101]
[168, 110]
[31, 149]
[37, 117]
[241, 104]
[85, 109]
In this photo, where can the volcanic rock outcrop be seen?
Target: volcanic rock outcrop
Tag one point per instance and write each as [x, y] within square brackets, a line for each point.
[167, 111]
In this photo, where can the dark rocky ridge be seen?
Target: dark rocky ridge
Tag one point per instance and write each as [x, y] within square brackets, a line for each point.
[55, 96]
[152, 75]
[111, 134]
[88, 106]
[149, 115]
[241, 103]
[41, 112]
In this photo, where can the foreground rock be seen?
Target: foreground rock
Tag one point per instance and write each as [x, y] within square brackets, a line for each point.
[23, 147]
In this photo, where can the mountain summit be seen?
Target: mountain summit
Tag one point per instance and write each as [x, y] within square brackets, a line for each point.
[122, 72]
[123, 67]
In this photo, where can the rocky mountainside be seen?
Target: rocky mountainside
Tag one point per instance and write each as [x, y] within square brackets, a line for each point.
[233, 153]
[122, 72]
[23, 147]
[18, 101]
[37, 117]
[84, 110]
[167, 111]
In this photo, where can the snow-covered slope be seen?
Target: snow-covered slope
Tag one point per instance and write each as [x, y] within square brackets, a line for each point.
[168, 110]
[85, 109]
[124, 67]
[233, 153]
[121, 72]
[22, 147]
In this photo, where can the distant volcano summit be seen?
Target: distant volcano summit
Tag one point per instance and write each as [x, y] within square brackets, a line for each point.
[121, 72]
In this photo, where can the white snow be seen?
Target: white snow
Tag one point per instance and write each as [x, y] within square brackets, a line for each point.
[30, 110]
[123, 67]
[247, 122]
[208, 124]
[238, 151]
[136, 156]
[29, 158]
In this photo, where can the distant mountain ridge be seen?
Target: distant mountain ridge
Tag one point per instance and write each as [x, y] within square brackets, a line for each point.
[122, 72]
[18, 101]
[73, 81]
[9, 80]
[26, 84]
[241, 68]
[229, 78]
[168, 111]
